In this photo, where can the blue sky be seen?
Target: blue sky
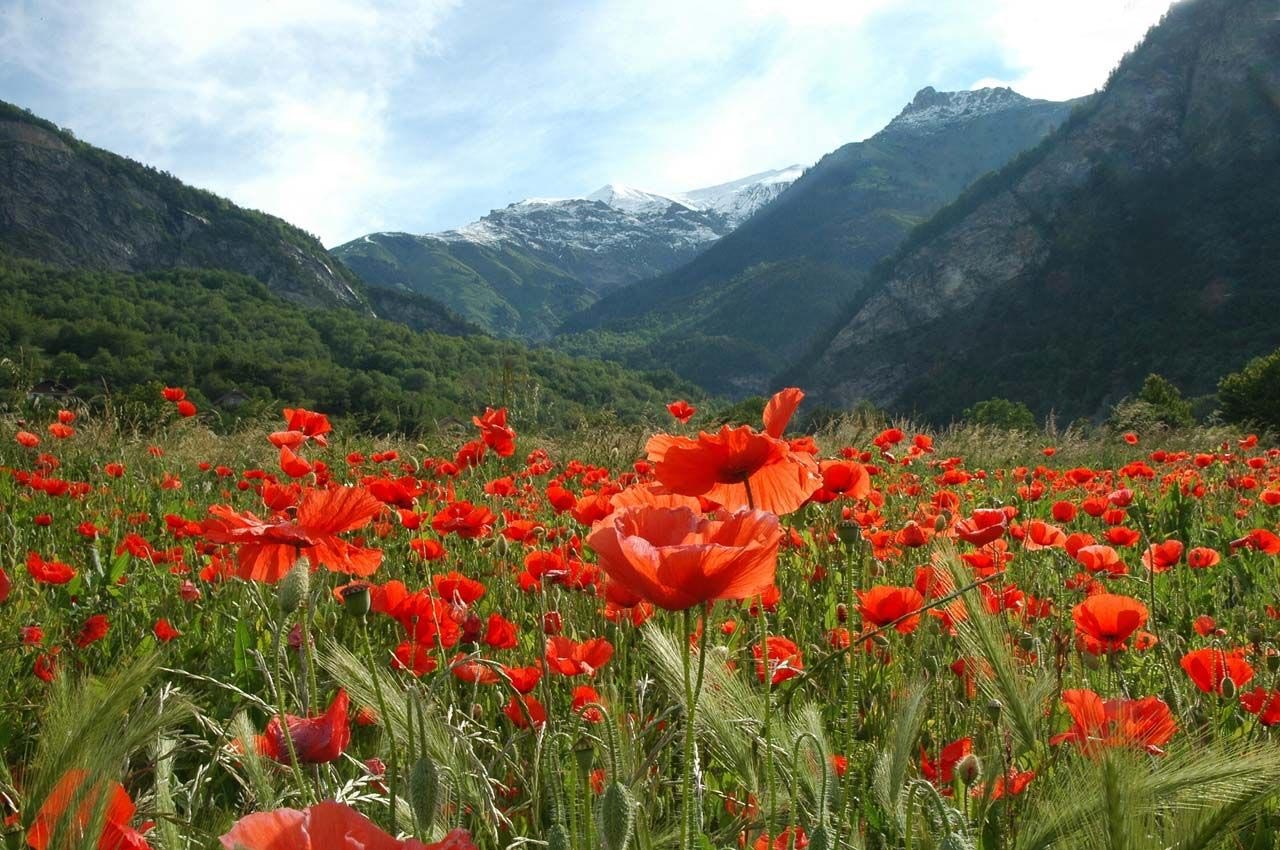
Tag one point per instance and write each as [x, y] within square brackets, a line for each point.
[347, 117]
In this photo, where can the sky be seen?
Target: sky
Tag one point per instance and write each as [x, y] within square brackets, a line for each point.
[347, 117]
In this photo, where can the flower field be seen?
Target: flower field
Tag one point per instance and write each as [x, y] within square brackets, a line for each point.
[297, 637]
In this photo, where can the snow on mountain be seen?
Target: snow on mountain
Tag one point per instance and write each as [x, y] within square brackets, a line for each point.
[932, 110]
[619, 216]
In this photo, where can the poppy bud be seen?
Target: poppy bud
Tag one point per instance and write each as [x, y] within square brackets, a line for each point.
[356, 600]
[617, 816]
[842, 615]
[969, 769]
[552, 623]
[558, 838]
[940, 524]
[994, 707]
[424, 786]
[1228, 689]
[818, 839]
[1026, 641]
[848, 532]
[294, 587]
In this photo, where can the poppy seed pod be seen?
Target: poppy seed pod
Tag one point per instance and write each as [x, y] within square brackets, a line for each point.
[558, 838]
[1273, 662]
[295, 587]
[424, 786]
[1254, 634]
[356, 600]
[994, 708]
[617, 816]
[842, 613]
[848, 532]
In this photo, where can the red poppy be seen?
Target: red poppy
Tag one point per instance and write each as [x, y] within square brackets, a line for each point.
[316, 740]
[1210, 668]
[1146, 723]
[516, 714]
[164, 630]
[1012, 783]
[1265, 704]
[48, 572]
[268, 550]
[494, 431]
[94, 629]
[330, 826]
[983, 526]
[727, 466]
[1202, 557]
[116, 834]
[457, 589]
[1105, 621]
[186, 409]
[842, 478]
[1099, 558]
[569, 658]
[5, 585]
[173, 393]
[675, 559]
[882, 604]
[584, 695]
[463, 519]
[1042, 535]
[785, 659]
[27, 440]
[942, 771]
[681, 410]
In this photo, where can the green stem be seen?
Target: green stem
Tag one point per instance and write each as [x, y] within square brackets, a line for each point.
[294, 766]
[386, 726]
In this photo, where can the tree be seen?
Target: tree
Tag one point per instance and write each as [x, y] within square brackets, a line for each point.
[1001, 413]
[1252, 395]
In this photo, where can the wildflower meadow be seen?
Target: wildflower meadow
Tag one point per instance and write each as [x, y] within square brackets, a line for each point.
[697, 637]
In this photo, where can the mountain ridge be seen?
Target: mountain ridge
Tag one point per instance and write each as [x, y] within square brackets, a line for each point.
[517, 271]
[1152, 175]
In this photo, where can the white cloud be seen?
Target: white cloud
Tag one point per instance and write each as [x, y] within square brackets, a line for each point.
[287, 101]
[346, 116]
[1060, 50]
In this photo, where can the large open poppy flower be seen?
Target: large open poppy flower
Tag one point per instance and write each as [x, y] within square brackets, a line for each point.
[1145, 723]
[740, 467]
[1210, 668]
[676, 559]
[570, 658]
[316, 740]
[326, 826]
[1105, 621]
[117, 834]
[266, 551]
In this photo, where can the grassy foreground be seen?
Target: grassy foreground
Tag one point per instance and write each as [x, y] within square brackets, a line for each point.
[972, 639]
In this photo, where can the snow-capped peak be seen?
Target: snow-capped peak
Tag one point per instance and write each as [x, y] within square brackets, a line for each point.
[931, 110]
[631, 200]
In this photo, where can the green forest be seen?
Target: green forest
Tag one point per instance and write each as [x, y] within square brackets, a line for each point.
[114, 336]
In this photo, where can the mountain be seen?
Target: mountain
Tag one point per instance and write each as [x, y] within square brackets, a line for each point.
[1143, 236]
[71, 204]
[520, 270]
[754, 301]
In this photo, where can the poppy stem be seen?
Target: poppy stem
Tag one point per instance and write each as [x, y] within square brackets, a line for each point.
[294, 766]
[692, 690]
[751, 503]
[386, 724]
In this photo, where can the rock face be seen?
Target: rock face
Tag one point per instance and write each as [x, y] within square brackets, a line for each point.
[1017, 275]
[69, 203]
[520, 270]
[754, 302]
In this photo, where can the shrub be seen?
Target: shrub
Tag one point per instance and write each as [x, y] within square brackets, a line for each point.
[1252, 395]
[1001, 413]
